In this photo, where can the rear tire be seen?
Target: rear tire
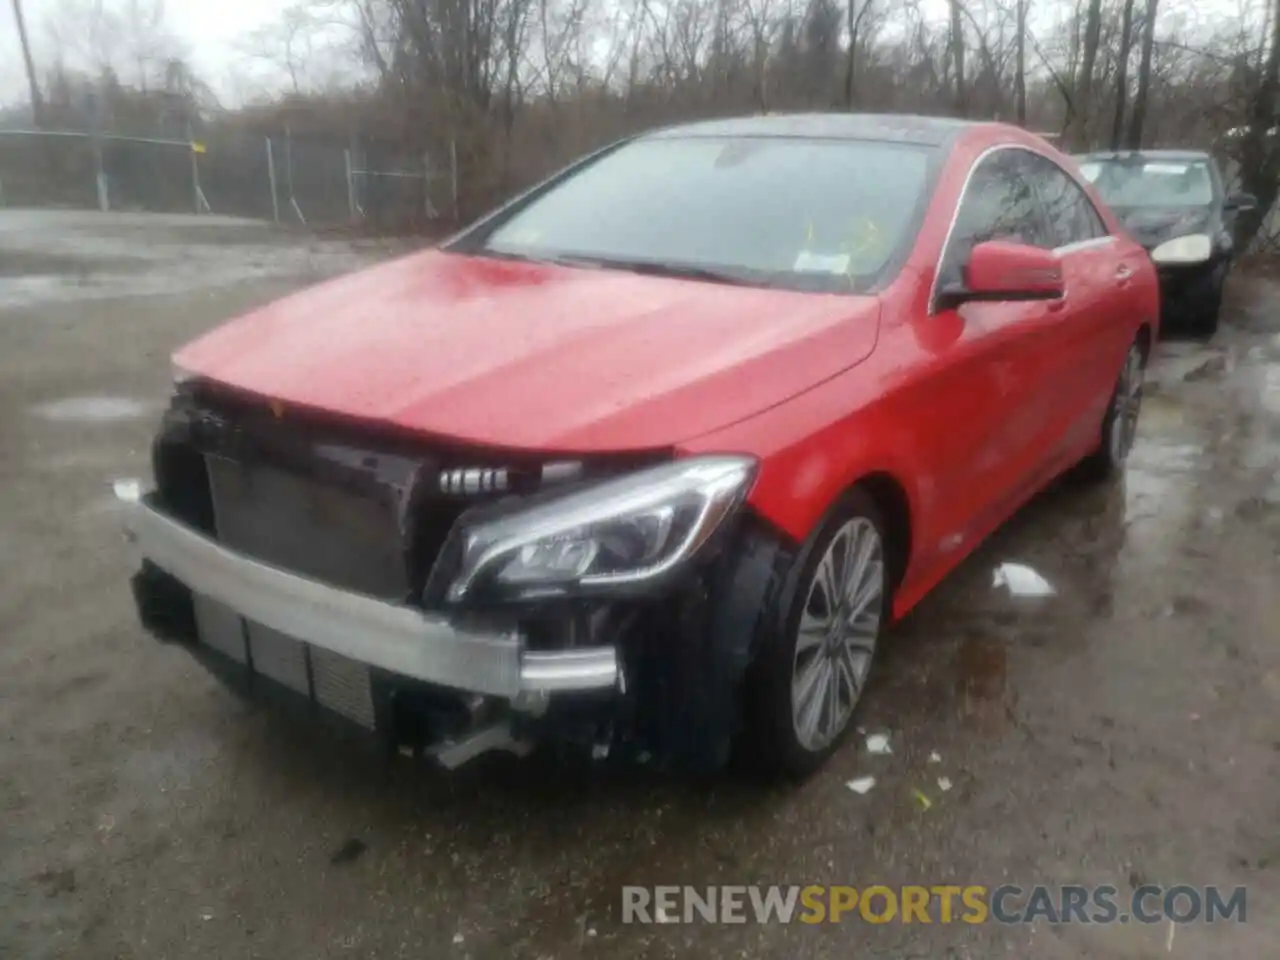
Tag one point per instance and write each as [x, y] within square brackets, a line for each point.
[817, 642]
[1120, 424]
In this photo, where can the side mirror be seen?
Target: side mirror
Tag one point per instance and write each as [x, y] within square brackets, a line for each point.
[999, 271]
[1238, 202]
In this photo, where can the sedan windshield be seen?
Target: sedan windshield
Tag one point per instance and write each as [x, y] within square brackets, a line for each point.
[1151, 183]
[830, 215]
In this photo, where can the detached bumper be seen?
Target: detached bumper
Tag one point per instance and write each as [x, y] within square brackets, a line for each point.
[479, 658]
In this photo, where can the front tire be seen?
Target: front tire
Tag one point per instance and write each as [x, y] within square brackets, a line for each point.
[819, 641]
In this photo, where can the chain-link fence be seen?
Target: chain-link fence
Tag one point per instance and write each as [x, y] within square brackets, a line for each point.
[309, 180]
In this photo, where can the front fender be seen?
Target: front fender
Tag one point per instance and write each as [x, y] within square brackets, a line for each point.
[813, 448]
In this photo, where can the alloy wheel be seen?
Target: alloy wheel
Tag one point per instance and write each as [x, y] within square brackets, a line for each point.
[1128, 403]
[837, 633]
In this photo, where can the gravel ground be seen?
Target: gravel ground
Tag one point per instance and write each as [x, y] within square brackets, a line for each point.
[1123, 731]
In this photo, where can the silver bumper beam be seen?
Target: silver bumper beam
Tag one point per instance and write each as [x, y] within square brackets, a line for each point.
[394, 637]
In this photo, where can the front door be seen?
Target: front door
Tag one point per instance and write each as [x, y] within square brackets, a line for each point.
[1009, 340]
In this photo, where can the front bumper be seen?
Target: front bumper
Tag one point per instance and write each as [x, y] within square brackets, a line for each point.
[478, 657]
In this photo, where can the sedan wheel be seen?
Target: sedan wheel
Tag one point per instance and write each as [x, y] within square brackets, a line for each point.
[1120, 427]
[836, 636]
[1126, 406]
[818, 641]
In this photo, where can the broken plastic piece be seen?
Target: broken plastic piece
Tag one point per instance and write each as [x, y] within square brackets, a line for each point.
[1022, 581]
[935, 757]
[878, 744]
[944, 784]
[925, 802]
[861, 784]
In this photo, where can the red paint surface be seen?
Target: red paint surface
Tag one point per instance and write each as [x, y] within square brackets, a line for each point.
[534, 356]
[970, 411]
[999, 267]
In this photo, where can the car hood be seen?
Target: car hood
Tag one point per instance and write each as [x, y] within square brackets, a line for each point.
[1152, 226]
[533, 356]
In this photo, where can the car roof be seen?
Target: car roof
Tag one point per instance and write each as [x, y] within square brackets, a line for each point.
[902, 128]
[1148, 154]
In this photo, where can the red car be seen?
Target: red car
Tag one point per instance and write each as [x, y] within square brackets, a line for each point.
[650, 456]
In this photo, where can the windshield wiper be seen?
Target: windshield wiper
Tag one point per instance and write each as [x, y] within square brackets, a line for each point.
[659, 268]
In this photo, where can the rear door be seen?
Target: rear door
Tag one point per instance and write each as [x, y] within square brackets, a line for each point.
[1090, 342]
[999, 342]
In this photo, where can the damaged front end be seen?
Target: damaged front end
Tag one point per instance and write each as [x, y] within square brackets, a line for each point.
[454, 600]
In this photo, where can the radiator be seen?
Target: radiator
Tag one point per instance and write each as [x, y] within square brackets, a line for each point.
[318, 531]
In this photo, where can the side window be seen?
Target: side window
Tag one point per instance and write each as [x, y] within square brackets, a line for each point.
[1071, 214]
[1000, 203]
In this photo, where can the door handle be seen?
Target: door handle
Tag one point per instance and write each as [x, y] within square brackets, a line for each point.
[1124, 272]
[1056, 306]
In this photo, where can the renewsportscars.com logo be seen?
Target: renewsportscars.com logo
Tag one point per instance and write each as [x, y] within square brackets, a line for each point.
[973, 904]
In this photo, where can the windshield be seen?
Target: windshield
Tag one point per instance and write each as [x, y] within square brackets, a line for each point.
[809, 214]
[1151, 183]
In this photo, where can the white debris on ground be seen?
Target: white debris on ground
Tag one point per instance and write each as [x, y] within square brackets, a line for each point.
[878, 744]
[1022, 581]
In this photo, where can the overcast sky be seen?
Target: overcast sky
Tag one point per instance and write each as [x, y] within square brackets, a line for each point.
[208, 28]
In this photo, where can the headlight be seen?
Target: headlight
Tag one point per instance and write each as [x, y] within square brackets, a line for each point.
[1193, 248]
[624, 532]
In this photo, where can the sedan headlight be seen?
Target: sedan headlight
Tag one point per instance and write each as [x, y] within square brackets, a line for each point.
[1193, 248]
[625, 532]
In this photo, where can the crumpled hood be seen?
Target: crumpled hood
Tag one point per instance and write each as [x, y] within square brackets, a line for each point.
[1154, 226]
[524, 355]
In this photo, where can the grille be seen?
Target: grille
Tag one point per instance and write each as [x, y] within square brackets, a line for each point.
[316, 530]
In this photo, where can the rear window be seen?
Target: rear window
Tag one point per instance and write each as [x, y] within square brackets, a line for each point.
[831, 215]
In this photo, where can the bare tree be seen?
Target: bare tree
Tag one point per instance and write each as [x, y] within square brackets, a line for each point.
[287, 44]
[37, 106]
[1136, 120]
[1084, 80]
[960, 93]
[1259, 148]
[1020, 68]
[1122, 74]
[854, 23]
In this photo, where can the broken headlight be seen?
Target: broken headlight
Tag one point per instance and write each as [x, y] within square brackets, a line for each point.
[626, 532]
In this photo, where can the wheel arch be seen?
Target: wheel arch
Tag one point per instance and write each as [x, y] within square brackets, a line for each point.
[891, 499]
[798, 497]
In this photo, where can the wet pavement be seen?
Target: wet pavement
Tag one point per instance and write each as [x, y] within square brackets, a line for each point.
[1124, 729]
[73, 256]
